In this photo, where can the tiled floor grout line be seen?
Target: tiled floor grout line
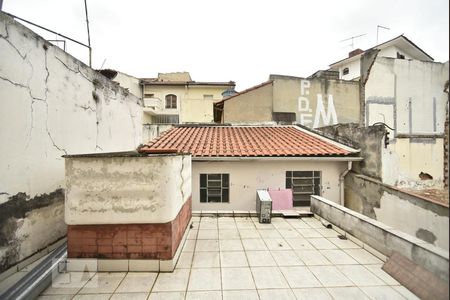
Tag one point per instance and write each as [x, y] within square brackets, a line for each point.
[79, 290]
[112, 294]
[279, 268]
[192, 259]
[249, 267]
[153, 285]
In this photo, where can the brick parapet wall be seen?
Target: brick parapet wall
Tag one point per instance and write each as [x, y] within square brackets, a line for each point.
[129, 241]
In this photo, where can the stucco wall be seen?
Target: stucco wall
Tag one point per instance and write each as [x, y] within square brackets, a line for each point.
[369, 139]
[152, 131]
[317, 102]
[408, 95]
[252, 106]
[129, 82]
[420, 218]
[126, 190]
[191, 105]
[248, 176]
[196, 108]
[51, 105]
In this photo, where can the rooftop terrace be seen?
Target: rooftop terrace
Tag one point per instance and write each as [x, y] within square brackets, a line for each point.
[237, 257]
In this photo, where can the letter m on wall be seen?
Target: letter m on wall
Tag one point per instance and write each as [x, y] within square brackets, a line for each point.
[328, 116]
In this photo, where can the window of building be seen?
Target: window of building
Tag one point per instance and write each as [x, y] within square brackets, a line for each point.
[149, 95]
[165, 119]
[345, 71]
[400, 56]
[303, 185]
[208, 97]
[171, 101]
[214, 188]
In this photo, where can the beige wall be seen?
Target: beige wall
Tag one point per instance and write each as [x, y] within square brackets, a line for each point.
[320, 102]
[191, 104]
[248, 176]
[312, 102]
[195, 108]
[408, 95]
[252, 106]
[126, 190]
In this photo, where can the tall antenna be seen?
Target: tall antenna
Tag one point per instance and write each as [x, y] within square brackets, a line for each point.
[378, 27]
[353, 38]
[89, 36]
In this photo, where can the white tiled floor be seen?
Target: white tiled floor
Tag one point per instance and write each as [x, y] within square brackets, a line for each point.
[238, 258]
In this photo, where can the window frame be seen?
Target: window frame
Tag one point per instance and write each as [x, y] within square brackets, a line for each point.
[301, 177]
[345, 71]
[171, 101]
[214, 188]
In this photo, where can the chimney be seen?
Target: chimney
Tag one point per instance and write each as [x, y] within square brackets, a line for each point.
[355, 52]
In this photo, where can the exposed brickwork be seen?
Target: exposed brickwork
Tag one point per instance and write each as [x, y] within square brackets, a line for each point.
[132, 241]
[421, 282]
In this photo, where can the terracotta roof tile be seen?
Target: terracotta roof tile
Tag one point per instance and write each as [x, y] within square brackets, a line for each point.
[247, 141]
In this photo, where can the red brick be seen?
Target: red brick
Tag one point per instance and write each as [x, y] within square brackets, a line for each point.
[119, 249]
[120, 255]
[119, 240]
[105, 242]
[89, 249]
[135, 255]
[105, 249]
[89, 241]
[149, 241]
[133, 240]
[149, 248]
[133, 249]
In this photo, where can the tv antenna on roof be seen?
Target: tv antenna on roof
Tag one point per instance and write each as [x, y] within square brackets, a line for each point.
[378, 27]
[353, 38]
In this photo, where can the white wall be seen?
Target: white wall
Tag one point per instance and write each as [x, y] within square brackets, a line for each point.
[355, 65]
[129, 82]
[51, 105]
[248, 176]
[126, 190]
[354, 68]
[408, 96]
[413, 218]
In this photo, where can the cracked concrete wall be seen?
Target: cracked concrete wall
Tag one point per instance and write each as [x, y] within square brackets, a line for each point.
[423, 219]
[126, 190]
[152, 131]
[51, 105]
[408, 96]
[368, 139]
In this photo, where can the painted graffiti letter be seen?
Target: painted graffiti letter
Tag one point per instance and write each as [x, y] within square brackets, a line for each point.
[329, 117]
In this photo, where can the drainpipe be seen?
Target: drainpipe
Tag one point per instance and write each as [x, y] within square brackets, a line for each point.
[341, 182]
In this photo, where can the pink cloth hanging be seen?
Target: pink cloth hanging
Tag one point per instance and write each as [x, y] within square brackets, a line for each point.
[281, 199]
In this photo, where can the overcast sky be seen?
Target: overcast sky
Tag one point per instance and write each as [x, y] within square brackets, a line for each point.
[244, 41]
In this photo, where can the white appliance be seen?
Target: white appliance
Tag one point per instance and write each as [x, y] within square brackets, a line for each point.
[263, 206]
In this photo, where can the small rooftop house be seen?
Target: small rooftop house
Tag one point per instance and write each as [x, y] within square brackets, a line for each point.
[229, 163]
